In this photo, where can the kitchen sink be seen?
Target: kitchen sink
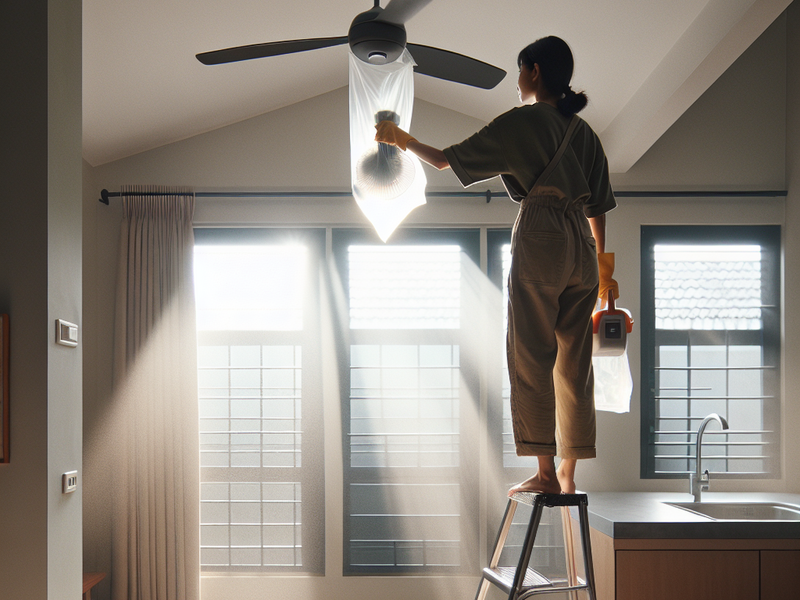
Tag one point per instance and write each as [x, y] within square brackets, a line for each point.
[742, 511]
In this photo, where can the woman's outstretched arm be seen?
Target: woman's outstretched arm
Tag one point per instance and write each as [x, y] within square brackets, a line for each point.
[433, 156]
[389, 133]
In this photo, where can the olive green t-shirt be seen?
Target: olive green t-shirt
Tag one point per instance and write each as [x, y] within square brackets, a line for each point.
[519, 144]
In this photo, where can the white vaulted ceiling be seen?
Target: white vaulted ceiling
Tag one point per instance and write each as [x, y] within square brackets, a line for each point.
[642, 62]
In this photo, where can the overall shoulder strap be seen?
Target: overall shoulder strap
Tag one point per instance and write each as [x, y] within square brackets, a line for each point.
[559, 153]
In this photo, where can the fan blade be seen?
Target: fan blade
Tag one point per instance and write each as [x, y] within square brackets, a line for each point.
[401, 11]
[451, 66]
[228, 55]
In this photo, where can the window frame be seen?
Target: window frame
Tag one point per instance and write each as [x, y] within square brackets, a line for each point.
[495, 240]
[768, 237]
[310, 474]
[469, 241]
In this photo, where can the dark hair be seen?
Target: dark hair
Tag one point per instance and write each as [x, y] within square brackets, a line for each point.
[554, 58]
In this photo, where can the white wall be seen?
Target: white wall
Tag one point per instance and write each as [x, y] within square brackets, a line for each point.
[64, 274]
[733, 138]
[40, 241]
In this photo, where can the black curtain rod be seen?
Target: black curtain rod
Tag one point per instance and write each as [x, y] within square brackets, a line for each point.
[105, 194]
[488, 194]
[702, 194]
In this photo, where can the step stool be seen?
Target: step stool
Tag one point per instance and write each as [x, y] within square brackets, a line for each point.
[523, 581]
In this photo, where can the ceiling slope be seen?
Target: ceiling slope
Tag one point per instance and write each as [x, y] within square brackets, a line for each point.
[642, 63]
[719, 35]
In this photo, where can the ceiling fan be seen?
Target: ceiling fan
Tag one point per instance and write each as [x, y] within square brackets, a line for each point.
[377, 36]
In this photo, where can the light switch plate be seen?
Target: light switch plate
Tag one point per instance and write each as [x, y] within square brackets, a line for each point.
[66, 333]
[69, 482]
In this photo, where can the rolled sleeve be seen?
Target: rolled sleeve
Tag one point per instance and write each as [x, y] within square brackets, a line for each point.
[463, 176]
[479, 157]
[602, 199]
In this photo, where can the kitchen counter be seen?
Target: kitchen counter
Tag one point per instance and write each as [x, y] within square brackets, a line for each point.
[645, 548]
[644, 515]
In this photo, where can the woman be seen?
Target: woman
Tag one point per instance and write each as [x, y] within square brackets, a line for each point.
[558, 237]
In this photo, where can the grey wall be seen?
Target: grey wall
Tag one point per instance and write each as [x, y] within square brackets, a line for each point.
[743, 134]
[733, 137]
[791, 256]
[40, 274]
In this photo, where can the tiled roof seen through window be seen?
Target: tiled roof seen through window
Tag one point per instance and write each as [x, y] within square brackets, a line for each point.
[708, 287]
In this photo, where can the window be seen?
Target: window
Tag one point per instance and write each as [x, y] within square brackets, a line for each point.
[259, 394]
[409, 401]
[418, 336]
[710, 344]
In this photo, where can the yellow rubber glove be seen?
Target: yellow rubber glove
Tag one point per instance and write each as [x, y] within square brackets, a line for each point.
[605, 261]
[389, 133]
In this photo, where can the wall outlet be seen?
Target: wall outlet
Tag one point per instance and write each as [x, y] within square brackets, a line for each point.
[69, 482]
[66, 333]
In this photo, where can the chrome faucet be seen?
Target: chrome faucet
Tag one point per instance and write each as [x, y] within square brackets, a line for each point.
[699, 482]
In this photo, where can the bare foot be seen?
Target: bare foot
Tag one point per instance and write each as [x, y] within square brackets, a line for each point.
[537, 483]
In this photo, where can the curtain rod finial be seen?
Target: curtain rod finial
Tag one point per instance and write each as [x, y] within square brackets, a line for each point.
[104, 196]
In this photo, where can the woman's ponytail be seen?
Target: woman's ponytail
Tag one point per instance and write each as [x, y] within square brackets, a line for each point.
[572, 102]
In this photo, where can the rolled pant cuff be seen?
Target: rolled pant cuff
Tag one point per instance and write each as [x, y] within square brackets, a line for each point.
[526, 449]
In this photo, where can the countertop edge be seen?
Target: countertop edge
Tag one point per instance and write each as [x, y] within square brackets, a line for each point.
[645, 515]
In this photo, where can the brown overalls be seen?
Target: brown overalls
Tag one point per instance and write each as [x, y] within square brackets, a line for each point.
[552, 291]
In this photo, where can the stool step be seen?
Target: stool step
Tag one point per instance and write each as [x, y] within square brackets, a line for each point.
[503, 577]
[531, 498]
[534, 583]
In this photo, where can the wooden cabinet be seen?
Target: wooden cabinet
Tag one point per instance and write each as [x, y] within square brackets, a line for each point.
[673, 569]
[687, 574]
[780, 575]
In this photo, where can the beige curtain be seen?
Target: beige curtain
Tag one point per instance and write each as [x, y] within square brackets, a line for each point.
[155, 514]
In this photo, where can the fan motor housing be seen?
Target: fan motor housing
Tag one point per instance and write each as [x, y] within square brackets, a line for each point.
[376, 42]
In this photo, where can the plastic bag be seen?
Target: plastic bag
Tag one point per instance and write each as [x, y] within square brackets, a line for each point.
[387, 182]
[613, 383]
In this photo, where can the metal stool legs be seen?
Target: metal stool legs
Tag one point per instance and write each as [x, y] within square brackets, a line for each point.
[523, 581]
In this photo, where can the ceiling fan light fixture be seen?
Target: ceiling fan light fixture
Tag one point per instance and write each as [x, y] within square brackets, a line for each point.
[377, 57]
[384, 172]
